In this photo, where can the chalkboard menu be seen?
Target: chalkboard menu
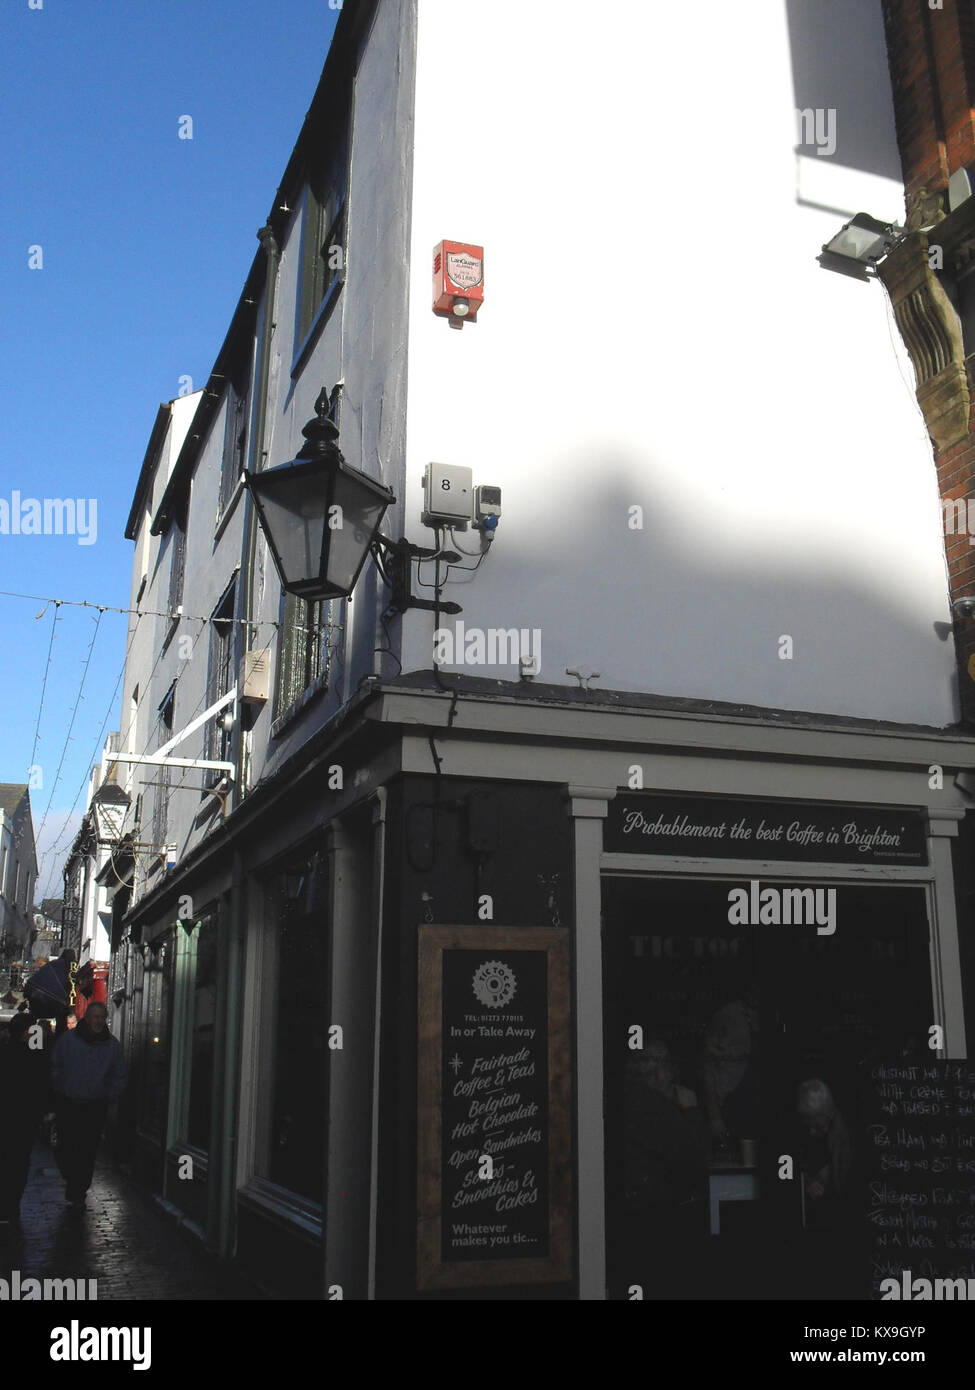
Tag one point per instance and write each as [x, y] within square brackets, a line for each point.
[494, 1173]
[920, 1138]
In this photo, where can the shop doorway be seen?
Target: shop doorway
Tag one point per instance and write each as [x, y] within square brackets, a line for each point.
[711, 1028]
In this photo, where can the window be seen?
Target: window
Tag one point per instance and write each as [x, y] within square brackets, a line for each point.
[235, 435]
[740, 1016]
[323, 228]
[153, 1088]
[161, 792]
[303, 648]
[305, 631]
[204, 1024]
[292, 1104]
[216, 739]
[3, 870]
[177, 545]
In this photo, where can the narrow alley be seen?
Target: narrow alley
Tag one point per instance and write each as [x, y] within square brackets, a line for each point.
[119, 1238]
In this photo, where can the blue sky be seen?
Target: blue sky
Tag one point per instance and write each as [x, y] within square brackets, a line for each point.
[146, 240]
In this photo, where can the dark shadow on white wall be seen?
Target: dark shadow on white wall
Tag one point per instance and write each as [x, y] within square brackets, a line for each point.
[839, 63]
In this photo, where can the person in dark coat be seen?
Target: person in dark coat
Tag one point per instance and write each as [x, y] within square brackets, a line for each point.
[87, 1072]
[666, 1150]
[49, 989]
[825, 1155]
[24, 1087]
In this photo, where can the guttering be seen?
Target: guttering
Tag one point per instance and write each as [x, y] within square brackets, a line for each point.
[149, 464]
[379, 911]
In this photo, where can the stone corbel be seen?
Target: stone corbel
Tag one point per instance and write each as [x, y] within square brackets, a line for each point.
[932, 335]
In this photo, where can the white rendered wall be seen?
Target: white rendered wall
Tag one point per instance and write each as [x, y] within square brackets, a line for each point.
[6, 870]
[363, 343]
[145, 668]
[212, 555]
[657, 332]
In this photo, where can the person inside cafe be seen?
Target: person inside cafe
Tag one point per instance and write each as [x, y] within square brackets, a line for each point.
[666, 1150]
[729, 1070]
[825, 1155]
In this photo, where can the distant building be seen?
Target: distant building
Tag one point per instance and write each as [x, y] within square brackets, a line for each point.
[18, 871]
[51, 913]
[87, 902]
[46, 936]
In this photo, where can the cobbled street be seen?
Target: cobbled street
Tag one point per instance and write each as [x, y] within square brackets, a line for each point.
[120, 1238]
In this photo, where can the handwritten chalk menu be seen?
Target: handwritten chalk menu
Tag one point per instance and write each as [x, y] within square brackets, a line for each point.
[495, 1116]
[494, 1173]
[920, 1160]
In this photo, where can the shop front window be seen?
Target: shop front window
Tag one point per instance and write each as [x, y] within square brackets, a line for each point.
[137, 982]
[204, 1022]
[294, 1029]
[157, 1003]
[731, 1048]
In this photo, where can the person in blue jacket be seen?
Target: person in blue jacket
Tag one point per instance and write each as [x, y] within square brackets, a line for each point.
[87, 1073]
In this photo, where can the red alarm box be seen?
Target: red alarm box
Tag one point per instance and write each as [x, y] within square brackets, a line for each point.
[458, 280]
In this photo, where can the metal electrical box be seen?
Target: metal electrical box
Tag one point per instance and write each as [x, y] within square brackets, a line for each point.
[254, 683]
[448, 494]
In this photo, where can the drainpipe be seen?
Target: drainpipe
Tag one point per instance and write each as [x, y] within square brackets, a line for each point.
[255, 462]
[379, 880]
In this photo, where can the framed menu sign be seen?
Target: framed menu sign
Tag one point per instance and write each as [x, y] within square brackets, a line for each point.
[494, 1171]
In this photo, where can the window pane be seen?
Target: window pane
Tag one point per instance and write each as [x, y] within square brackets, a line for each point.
[292, 650]
[217, 741]
[204, 1018]
[293, 1094]
[160, 775]
[235, 435]
[154, 1087]
[303, 649]
[177, 547]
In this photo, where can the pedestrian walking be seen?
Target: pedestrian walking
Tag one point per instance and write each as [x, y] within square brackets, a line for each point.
[87, 1072]
[24, 1086]
[49, 990]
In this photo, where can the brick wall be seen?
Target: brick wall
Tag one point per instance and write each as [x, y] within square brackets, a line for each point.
[931, 54]
[956, 479]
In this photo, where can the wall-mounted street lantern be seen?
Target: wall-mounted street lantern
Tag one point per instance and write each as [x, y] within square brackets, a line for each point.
[321, 518]
[859, 245]
[318, 513]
